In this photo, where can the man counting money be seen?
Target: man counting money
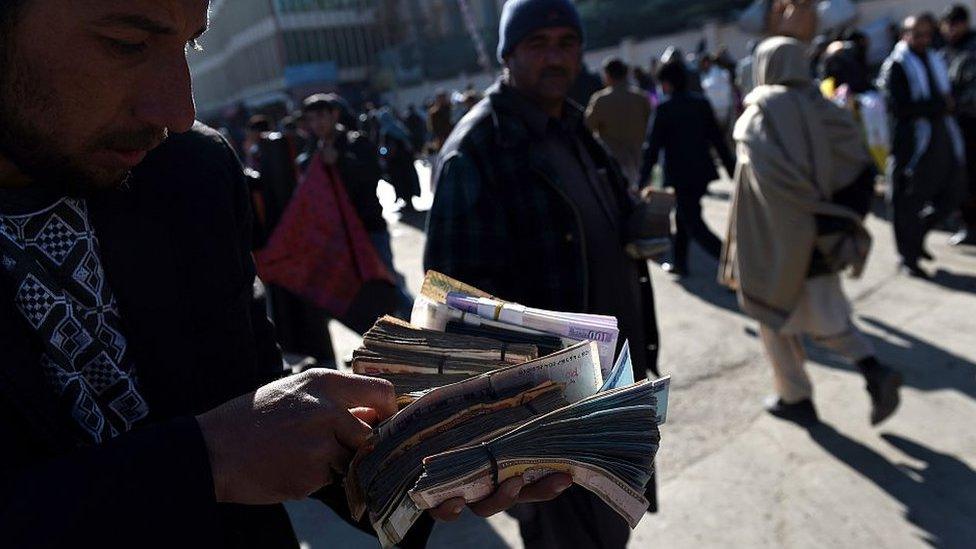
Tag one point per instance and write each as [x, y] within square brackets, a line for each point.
[530, 207]
[127, 320]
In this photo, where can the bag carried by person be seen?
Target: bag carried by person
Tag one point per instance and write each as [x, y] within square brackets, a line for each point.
[320, 251]
[649, 227]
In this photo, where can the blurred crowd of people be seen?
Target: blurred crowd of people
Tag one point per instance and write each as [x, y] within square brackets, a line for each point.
[916, 112]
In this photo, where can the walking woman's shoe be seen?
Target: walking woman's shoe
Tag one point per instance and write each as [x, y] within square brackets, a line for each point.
[883, 384]
[802, 412]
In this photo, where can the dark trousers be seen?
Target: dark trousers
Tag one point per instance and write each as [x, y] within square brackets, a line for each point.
[691, 226]
[922, 199]
[577, 519]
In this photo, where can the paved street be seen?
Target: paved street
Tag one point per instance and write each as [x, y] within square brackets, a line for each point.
[731, 476]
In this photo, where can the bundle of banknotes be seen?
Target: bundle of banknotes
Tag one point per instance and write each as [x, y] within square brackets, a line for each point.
[461, 430]
[414, 358]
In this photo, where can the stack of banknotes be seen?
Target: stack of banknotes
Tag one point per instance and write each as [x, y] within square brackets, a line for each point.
[572, 410]
[445, 303]
[414, 358]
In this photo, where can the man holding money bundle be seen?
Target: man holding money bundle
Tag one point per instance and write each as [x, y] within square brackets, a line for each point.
[530, 207]
[127, 314]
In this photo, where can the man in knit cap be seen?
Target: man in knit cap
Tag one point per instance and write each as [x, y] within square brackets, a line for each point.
[530, 207]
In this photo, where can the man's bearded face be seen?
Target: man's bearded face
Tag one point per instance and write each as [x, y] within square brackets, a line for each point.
[88, 87]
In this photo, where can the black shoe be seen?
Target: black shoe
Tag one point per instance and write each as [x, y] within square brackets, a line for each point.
[801, 412]
[964, 237]
[883, 385]
[676, 270]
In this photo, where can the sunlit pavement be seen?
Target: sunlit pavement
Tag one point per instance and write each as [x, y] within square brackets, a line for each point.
[731, 476]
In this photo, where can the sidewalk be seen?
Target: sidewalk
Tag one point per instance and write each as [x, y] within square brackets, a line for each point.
[731, 476]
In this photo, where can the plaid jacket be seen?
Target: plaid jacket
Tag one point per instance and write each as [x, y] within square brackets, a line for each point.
[501, 221]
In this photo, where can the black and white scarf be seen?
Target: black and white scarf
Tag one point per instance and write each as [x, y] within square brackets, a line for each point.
[921, 89]
[52, 258]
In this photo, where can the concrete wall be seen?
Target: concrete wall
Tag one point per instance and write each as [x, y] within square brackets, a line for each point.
[641, 52]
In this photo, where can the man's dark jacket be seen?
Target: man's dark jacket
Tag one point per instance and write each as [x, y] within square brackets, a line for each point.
[905, 110]
[501, 222]
[175, 248]
[685, 129]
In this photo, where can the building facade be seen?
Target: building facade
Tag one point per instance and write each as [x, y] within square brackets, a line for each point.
[260, 52]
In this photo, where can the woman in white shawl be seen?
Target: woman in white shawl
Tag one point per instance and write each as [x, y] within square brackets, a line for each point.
[803, 184]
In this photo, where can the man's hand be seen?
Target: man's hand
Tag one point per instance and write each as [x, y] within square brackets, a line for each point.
[509, 493]
[288, 438]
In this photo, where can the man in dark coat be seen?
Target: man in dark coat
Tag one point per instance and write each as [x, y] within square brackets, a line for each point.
[418, 129]
[685, 129]
[439, 119]
[530, 207]
[358, 162]
[927, 145]
[127, 313]
[960, 53]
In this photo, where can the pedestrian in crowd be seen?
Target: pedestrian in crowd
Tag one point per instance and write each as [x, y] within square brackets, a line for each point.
[717, 87]
[368, 122]
[128, 321]
[257, 126]
[299, 328]
[439, 119]
[398, 158]
[685, 130]
[817, 51]
[694, 76]
[845, 63]
[618, 115]
[587, 83]
[803, 185]
[960, 54]
[743, 70]
[418, 129]
[643, 80]
[357, 160]
[530, 207]
[469, 99]
[296, 137]
[927, 145]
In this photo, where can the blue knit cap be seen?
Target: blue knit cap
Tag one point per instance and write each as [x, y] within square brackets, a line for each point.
[521, 18]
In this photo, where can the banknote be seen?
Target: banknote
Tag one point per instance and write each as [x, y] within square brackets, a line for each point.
[393, 334]
[574, 370]
[622, 374]
[597, 328]
[479, 484]
[489, 389]
[437, 285]
[606, 442]
[382, 478]
[576, 366]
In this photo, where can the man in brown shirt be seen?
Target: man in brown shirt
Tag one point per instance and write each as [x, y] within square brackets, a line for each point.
[618, 115]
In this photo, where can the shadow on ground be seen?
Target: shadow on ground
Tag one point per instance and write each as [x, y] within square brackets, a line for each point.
[938, 495]
[925, 366]
[954, 281]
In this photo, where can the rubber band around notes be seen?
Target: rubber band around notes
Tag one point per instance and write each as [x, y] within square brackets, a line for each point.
[494, 465]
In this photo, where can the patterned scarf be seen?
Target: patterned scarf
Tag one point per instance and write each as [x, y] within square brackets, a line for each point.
[52, 258]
